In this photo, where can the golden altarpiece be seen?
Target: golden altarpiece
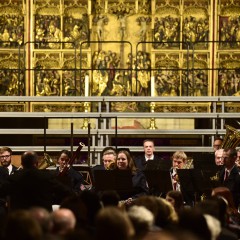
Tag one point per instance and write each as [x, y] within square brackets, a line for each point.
[119, 48]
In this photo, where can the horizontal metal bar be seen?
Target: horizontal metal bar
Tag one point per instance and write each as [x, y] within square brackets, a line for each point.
[109, 99]
[99, 149]
[71, 115]
[113, 132]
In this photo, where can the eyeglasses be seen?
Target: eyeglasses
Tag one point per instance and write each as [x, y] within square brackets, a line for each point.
[4, 156]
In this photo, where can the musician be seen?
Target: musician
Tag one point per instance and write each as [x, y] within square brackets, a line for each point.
[148, 155]
[6, 160]
[179, 159]
[32, 187]
[72, 177]
[238, 158]
[6, 169]
[125, 162]
[219, 157]
[109, 156]
[217, 143]
[229, 176]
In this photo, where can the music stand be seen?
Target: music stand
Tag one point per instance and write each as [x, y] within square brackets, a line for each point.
[193, 184]
[86, 172]
[118, 180]
[159, 181]
[204, 161]
[159, 164]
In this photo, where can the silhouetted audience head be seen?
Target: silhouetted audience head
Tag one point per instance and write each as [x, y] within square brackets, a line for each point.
[21, 225]
[29, 159]
[110, 198]
[226, 194]
[194, 222]
[163, 212]
[112, 223]
[176, 199]
[93, 205]
[142, 220]
[79, 209]
[43, 217]
[63, 220]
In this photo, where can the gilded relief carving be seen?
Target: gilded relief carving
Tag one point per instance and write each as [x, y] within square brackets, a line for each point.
[11, 76]
[149, 38]
[167, 77]
[229, 75]
[195, 80]
[11, 24]
[76, 26]
[166, 26]
[229, 25]
[195, 25]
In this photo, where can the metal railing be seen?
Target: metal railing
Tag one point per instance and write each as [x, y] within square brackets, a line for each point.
[102, 131]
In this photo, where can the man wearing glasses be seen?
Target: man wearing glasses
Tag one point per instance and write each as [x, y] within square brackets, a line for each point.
[6, 161]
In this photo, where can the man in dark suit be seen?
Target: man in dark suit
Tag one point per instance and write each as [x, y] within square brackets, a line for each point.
[148, 155]
[6, 160]
[32, 187]
[229, 176]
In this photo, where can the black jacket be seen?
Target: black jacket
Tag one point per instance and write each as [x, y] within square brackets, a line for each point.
[33, 187]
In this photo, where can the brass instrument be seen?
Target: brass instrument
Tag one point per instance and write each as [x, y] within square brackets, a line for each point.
[188, 164]
[111, 166]
[46, 162]
[232, 137]
[215, 177]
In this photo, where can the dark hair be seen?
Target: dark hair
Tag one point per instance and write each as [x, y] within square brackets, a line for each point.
[29, 159]
[108, 150]
[6, 149]
[232, 152]
[178, 197]
[218, 138]
[68, 153]
[148, 140]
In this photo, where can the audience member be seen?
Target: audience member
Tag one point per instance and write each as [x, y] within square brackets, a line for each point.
[110, 198]
[22, 226]
[164, 215]
[217, 208]
[73, 178]
[232, 211]
[176, 199]
[142, 220]
[112, 223]
[149, 154]
[85, 207]
[194, 222]
[32, 187]
[63, 221]
[42, 216]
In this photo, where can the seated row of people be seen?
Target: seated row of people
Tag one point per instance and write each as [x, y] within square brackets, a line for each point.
[122, 160]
